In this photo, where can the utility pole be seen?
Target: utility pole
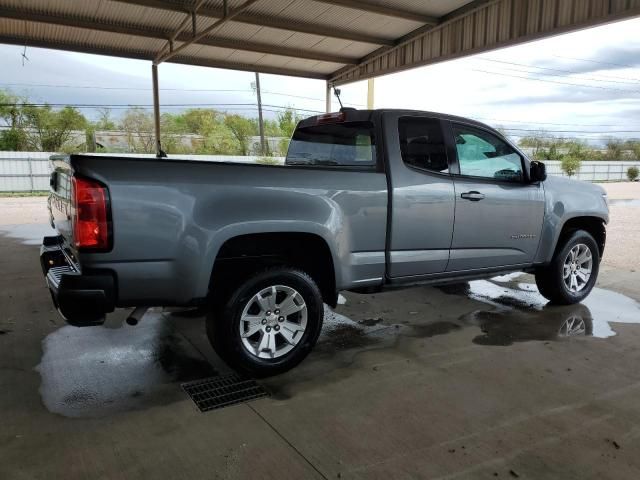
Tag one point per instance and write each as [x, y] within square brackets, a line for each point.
[260, 122]
[156, 111]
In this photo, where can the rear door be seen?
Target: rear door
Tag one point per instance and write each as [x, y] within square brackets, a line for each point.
[498, 213]
[422, 195]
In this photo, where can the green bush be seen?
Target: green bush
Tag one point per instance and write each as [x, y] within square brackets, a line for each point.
[632, 174]
[571, 165]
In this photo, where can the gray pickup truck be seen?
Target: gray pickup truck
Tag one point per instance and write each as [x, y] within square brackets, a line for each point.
[367, 200]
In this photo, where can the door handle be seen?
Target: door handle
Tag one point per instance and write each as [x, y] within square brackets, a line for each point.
[473, 196]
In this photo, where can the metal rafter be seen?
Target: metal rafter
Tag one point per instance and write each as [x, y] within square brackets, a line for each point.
[189, 18]
[138, 31]
[141, 55]
[383, 10]
[270, 22]
[214, 26]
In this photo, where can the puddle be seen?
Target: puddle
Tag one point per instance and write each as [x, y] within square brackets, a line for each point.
[516, 313]
[625, 202]
[29, 233]
[522, 313]
[98, 371]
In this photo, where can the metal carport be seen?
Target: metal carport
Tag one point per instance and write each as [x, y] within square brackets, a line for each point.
[340, 41]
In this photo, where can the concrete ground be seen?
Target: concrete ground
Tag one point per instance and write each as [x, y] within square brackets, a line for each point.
[476, 381]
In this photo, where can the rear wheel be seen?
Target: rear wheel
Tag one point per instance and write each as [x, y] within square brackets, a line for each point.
[269, 323]
[573, 271]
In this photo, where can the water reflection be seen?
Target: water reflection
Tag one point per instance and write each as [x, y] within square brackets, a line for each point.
[96, 371]
[513, 300]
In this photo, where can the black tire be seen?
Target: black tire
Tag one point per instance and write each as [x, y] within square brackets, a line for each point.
[223, 322]
[550, 278]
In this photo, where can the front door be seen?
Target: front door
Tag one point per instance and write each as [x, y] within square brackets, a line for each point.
[422, 202]
[498, 213]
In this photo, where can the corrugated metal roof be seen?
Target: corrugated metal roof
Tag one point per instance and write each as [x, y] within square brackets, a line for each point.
[338, 40]
[302, 37]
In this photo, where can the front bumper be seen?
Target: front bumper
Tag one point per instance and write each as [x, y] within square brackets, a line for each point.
[82, 298]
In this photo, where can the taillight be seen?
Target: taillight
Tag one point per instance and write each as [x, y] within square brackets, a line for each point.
[90, 218]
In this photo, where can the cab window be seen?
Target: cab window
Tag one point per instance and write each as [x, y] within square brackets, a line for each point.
[346, 144]
[481, 154]
[422, 144]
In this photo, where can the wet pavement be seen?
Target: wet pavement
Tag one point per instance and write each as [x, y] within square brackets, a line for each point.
[477, 380]
[97, 371]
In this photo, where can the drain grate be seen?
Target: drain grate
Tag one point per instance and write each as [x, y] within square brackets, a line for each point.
[223, 391]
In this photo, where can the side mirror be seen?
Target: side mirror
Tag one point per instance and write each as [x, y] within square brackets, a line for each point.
[537, 171]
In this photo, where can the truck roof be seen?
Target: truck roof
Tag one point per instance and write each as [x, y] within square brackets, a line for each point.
[362, 115]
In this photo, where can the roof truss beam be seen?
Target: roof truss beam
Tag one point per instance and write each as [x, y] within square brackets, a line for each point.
[112, 27]
[138, 55]
[227, 17]
[383, 10]
[270, 22]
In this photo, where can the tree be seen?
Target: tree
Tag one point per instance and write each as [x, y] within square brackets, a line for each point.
[287, 121]
[571, 164]
[48, 130]
[614, 149]
[632, 174]
[104, 121]
[220, 142]
[242, 129]
[11, 114]
[139, 128]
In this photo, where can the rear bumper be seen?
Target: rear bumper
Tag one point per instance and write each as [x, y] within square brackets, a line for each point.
[82, 298]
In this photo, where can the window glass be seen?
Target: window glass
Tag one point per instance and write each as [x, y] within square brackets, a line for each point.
[348, 144]
[481, 154]
[422, 143]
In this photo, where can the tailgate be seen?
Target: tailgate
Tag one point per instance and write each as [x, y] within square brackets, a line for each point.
[60, 196]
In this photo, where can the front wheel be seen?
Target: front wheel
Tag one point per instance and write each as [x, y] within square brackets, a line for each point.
[573, 271]
[269, 323]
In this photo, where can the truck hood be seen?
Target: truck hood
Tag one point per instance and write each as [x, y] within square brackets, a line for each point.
[565, 184]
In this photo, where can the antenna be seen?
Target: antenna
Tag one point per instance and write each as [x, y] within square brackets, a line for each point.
[336, 92]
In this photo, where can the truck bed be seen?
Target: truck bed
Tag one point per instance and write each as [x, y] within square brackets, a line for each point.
[170, 217]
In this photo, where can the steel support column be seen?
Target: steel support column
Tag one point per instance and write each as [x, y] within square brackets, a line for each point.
[327, 100]
[156, 111]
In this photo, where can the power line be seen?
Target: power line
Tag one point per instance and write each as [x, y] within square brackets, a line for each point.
[556, 82]
[195, 90]
[571, 131]
[630, 81]
[175, 105]
[550, 123]
[596, 61]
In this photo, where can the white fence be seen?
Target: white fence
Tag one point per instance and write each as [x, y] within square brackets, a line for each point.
[24, 171]
[29, 171]
[595, 171]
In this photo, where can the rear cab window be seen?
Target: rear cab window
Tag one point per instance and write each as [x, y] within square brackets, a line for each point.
[422, 144]
[342, 144]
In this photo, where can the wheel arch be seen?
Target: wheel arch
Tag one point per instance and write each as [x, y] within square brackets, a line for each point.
[592, 224]
[247, 253]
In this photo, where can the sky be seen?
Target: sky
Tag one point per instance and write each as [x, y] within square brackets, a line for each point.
[584, 84]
